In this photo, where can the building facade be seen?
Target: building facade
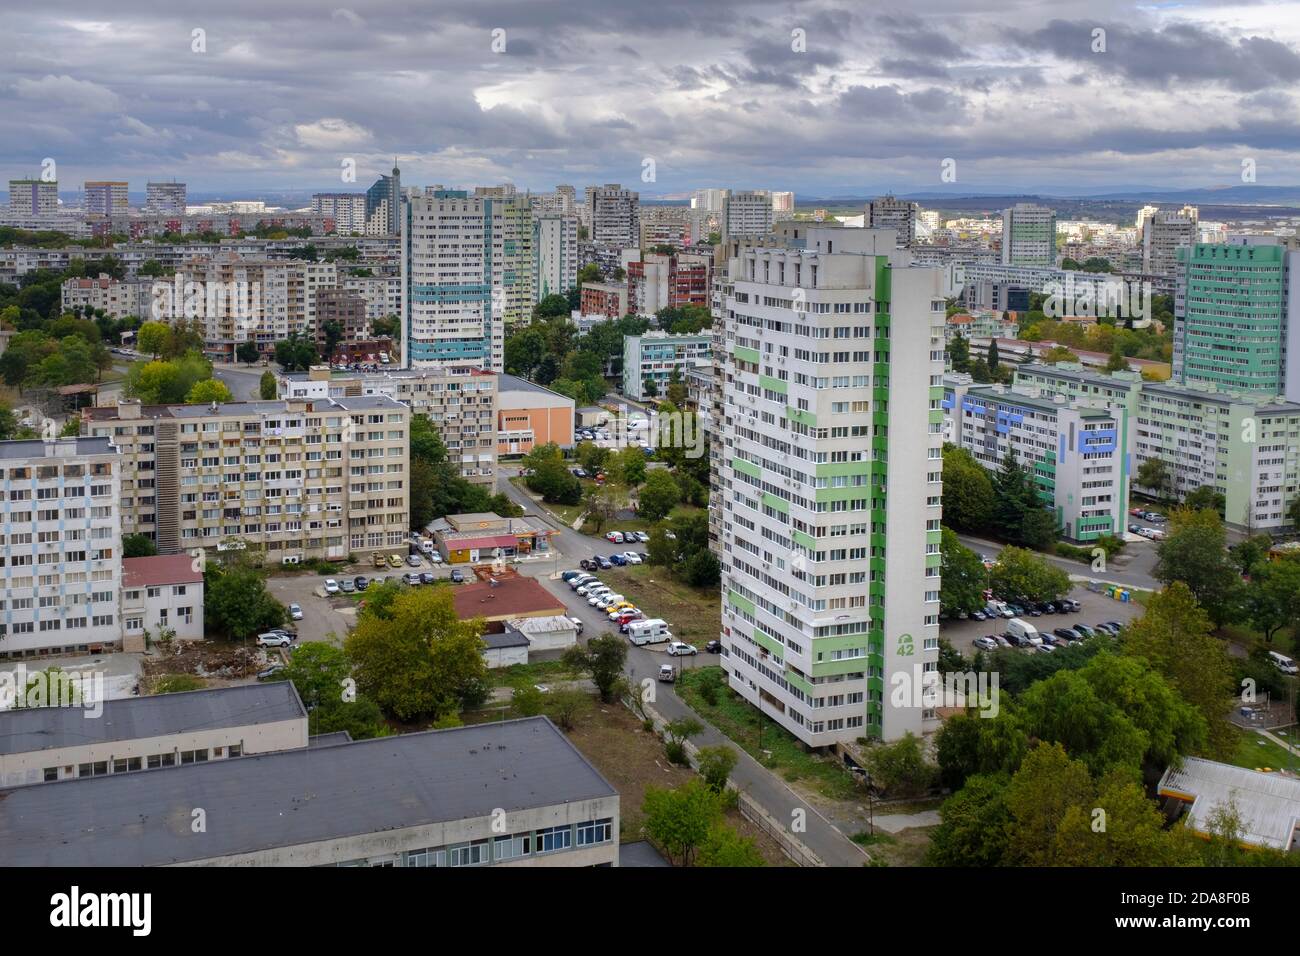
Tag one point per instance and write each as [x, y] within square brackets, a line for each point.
[899, 215]
[555, 254]
[62, 568]
[654, 356]
[161, 594]
[106, 198]
[831, 484]
[1163, 234]
[164, 199]
[746, 214]
[1029, 236]
[34, 198]
[615, 215]
[529, 415]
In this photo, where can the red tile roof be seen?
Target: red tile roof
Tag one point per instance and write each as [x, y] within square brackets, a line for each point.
[158, 570]
[510, 597]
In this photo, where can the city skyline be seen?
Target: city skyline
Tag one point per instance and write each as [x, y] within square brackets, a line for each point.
[818, 98]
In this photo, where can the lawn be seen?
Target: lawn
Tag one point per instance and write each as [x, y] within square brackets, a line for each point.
[565, 513]
[518, 676]
[780, 752]
[639, 524]
[1255, 751]
[693, 615]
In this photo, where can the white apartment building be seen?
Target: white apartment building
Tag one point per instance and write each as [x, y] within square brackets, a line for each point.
[61, 565]
[899, 215]
[1163, 233]
[615, 215]
[783, 203]
[301, 479]
[454, 282]
[555, 254]
[161, 594]
[33, 198]
[709, 200]
[562, 202]
[116, 298]
[654, 356]
[382, 294]
[106, 198]
[460, 401]
[831, 483]
[164, 199]
[746, 214]
[348, 210]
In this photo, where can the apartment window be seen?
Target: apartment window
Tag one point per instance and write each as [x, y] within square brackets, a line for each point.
[161, 760]
[597, 831]
[554, 838]
[471, 854]
[512, 847]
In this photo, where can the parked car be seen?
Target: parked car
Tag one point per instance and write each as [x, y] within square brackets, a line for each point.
[1068, 634]
[394, 561]
[361, 582]
[295, 612]
[617, 560]
[605, 563]
[631, 557]
[586, 587]
[1085, 630]
[274, 639]
[427, 577]
[666, 673]
[1015, 640]
[568, 576]
[1050, 638]
[1045, 648]
[588, 565]
[978, 616]
[713, 647]
[580, 580]
[1002, 641]
[643, 537]
[413, 560]
[579, 473]
[680, 649]
[268, 672]
[458, 576]
[434, 556]
[1115, 626]
[411, 578]
[577, 622]
[1046, 607]
[331, 586]
[1032, 610]
[1071, 604]
[986, 643]
[615, 536]
[347, 586]
[378, 560]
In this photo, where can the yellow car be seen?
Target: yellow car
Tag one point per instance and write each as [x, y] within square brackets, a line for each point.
[394, 561]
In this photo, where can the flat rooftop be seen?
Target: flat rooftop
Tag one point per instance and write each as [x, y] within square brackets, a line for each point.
[1269, 803]
[31, 729]
[39, 448]
[296, 797]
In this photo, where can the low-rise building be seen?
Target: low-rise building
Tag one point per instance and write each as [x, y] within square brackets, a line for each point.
[48, 744]
[505, 597]
[609, 299]
[438, 798]
[161, 595]
[1267, 804]
[529, 414]
[551, 633]
[471, 538]
[654, 356]
[503, 646]
[60, 520]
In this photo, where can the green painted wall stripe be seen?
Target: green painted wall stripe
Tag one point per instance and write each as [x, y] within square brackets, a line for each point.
[803, 418]
[744, 603]
[772, 501]
[773, 646]
[806, 540]
[836, 469]
[744, 354]
[775, 384]
[746, 467]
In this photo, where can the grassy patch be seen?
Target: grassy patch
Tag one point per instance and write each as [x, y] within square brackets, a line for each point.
[565, 513]
[780, 751]
[1255, 751]
[907, 806]
[872, 839]
[519, 676]
[693, 615]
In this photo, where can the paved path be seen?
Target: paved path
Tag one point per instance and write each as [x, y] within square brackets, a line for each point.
[783, 804]
[897, 822]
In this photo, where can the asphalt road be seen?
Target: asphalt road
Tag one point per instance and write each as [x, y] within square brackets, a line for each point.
[244, 381]
[821, 836]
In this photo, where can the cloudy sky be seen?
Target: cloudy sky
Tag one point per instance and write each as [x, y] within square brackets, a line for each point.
[825, 98]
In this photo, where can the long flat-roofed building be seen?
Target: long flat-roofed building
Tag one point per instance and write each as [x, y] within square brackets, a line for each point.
[303, 479]
[48, 744]
[516, 793]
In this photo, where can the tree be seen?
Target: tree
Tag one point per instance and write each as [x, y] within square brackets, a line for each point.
[1116, 362]
[589, 273]
[1038, 796]
[422, 661]
[332, 332]
[968, 495]
[1012, 488]
[1195, 552]
[1019, 573]
[1058, 353]
[236, 603]
[1134, 833]
[152, 338]
[900, 768]
[702, 569]
[725, 847]
[297, 353]
[649, 387]
[551, 306]
[659, 496]
[603, 659]
[679, 821]
[1153, 474]
[1250, 552]
[959, 354]
[1174, 636]
[208, 390]
[715, 765]
[138, 546]
[1273, 597]
[267, 386]
[993, 355]
[321, 674]
[974, 826]
[676, 733]
[661, 550]
[963, 578]
[247, 352]
[627, 467]
[565, 705]
[1206, 497]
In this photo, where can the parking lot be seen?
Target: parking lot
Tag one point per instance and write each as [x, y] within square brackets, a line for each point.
[1096, 609]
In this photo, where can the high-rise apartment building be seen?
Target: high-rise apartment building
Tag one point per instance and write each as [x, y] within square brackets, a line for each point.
[746, 214]
[384, 202]
[783, 204]
[657, 281]
[831, 483]
[33, 197]
[562, 202]
[454, 264]
[886, 212]
[709, 200]
[348, 210]
[299, 479]
[164, 199]
[615, 215]
[59, 526]
[1163, 234]
[1236, 309]
[106, 198]
[1029, 235]
[555, 254]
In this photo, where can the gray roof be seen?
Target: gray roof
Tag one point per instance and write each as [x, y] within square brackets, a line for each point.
[32, 729]
[513, 383]
[639, 853]
[511, 637]
[1268, 803]
[295, 797]
[329, 740]
[35, 447]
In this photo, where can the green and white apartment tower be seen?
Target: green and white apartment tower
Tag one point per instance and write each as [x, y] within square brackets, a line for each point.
[830, 481]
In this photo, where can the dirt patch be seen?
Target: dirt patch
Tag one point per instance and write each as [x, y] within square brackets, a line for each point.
[218, 663]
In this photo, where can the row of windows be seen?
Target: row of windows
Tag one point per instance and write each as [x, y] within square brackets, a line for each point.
[500, 849]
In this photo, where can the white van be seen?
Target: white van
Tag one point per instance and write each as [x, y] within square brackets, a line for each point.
[1282, 662]
[652, 631]
[1024, 630]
